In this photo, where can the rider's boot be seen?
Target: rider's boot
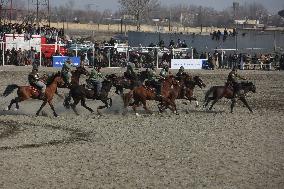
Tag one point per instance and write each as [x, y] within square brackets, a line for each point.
[158, 93]
[42, 96]
[98, 94]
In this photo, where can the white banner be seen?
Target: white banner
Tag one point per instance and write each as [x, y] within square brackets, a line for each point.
[187, 63]
[18, 41]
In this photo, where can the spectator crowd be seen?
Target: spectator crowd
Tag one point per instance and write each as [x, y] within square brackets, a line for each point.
[105, 55]
[28, 30]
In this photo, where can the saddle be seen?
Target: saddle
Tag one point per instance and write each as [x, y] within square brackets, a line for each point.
[89, 85]
[152, 89]
[36, 91]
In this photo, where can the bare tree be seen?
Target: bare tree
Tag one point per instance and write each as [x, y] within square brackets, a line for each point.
[138, 8]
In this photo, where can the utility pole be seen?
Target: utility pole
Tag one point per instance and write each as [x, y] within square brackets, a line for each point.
[37, 20]
[138, 15]
[38, 4]
[48, 9]
[170, 20]
[11, 6]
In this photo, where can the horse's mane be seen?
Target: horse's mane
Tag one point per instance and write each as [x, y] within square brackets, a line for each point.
[51, 77]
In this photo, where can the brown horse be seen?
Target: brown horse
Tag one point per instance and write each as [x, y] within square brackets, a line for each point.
[142, 93]
[183, 90]
[27, 92]
[215, 93]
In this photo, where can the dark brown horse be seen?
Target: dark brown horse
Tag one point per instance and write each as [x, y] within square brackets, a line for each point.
[27, 92]
[215, 93]
[183, 90]
[81, 93]
[142, 93]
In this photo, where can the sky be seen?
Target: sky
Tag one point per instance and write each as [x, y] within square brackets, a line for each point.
[273, 6]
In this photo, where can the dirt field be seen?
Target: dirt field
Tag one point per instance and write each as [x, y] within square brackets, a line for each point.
[197, 149]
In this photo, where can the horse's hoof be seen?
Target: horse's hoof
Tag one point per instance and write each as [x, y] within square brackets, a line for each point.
[6, 109]
[137, 114]
[16, 109]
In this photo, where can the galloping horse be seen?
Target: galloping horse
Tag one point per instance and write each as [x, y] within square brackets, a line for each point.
[142, 93]
[215, 93]
[121, 82]
[80, 93]
[183, 90]
[27, 92]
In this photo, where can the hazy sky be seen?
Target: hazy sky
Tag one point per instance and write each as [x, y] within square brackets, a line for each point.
[272, 5]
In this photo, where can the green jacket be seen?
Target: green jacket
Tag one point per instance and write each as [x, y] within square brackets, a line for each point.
[152, 75]
[96, 76]
[66, 67]
[164, 73]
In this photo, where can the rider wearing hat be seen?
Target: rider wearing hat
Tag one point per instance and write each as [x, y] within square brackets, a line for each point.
[180, 73]
[233, 81]
[66, 71]
[130, 74]
[164, 72]
[35, 81]
[153, 80]
[95, 79]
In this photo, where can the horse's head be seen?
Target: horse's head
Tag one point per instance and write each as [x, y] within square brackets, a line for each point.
[171, 80]
[198, 81]
[113, 78]
[82, 70]
[249, 85]
[58, 79]
[106, 85]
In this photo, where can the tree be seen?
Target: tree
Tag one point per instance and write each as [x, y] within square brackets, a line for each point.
[138, 8]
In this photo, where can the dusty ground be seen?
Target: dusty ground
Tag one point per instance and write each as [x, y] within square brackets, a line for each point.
[195, 150]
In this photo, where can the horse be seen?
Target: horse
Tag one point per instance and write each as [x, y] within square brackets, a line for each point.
[76, 74]
[183, 90]
[27, 92]
[81, 93]
[142, 93]
[215, 93]
[121, 82]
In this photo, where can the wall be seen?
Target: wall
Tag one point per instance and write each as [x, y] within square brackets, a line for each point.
[251, 39]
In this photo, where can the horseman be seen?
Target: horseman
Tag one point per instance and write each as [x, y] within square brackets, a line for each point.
[66, 72]
[233, 81]
[153, 80]
[35, 81]
[130, 74]
[95, 80]
[180, 73]
[165, 72]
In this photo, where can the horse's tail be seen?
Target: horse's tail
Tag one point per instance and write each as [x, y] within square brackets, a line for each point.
[126, 98]
[9, 89]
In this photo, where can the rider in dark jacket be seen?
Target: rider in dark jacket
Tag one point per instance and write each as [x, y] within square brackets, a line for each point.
[35, 81]
[233, 81]
[180, 73]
